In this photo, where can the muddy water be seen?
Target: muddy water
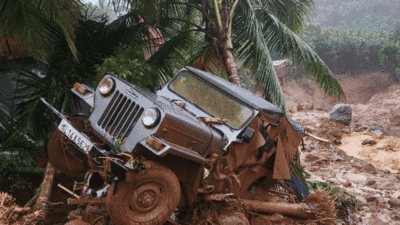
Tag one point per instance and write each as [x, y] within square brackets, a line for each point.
[385, 154]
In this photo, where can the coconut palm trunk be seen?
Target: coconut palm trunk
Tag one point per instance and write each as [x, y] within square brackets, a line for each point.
[230, 66]
[223, 17]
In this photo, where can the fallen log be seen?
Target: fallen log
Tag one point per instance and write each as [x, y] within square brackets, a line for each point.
[300, 210]
[45, 189]
[315, 137]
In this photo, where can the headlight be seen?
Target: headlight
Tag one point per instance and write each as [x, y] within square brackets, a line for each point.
[106, 86]
[151, 117]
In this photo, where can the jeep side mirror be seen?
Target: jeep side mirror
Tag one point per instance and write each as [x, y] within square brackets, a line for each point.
[247, 134]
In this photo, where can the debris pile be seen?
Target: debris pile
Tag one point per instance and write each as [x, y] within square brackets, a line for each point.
[12, 214]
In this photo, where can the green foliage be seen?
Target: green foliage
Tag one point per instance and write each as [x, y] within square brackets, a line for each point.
[259, 28]
[29, 124]
[346, 50]
[357, 15]
[302, 175]
[390, 58]
[128, 63]
[117, 143]
[135, 164]
[40, 24]
[395, 35]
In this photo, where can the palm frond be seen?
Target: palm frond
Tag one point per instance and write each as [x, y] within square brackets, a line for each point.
[250, 45]
[282, 39]
[292, 13]
[206, 59]
[128, 29]
[40, 23]
[171, 54]
[148, 9]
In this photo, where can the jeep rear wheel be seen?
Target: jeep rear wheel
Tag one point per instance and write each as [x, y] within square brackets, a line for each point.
[150, 199]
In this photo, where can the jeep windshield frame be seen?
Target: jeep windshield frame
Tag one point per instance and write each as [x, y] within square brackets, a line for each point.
[211, 99]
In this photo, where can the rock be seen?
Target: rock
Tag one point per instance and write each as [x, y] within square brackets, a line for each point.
[383, 218]
[337, 142]
[369, 142]
[355, 178]
[396, 194]
[347, 184]
[377, 133]
[336, 157]
[299, 108]
[394, 202]
[305, 106]
[341, 113]
[371, 182]
[361, 199]
[371, 198]
[311, 158]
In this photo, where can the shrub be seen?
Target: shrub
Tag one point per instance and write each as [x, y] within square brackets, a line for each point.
[390, 58]
[128, 63]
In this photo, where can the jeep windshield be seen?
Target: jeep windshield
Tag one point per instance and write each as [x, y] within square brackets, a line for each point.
[210, 100]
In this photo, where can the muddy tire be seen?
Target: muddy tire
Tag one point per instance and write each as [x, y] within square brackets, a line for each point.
[150, 199]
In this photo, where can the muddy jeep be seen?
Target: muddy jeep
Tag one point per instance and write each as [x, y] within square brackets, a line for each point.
[146, 154]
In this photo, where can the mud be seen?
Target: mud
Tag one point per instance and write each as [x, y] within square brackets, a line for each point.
[385, 154]
[369, 172]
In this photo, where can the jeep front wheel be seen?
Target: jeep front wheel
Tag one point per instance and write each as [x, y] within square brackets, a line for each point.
[150, 199]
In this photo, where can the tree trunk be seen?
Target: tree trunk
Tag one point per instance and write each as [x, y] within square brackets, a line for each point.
[45, 189]
[230, 66]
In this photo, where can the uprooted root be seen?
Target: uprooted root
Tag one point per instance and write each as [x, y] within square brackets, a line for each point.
[326, 208]
[11, 213]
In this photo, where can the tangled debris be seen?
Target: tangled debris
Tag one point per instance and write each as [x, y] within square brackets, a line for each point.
[12, 214]
[327, 211]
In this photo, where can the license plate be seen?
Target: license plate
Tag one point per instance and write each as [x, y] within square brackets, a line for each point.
[75, 136]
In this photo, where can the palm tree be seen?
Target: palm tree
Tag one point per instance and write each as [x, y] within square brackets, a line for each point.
[40, 23]
[248, 30]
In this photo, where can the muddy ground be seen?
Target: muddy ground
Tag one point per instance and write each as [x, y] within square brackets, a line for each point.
[369, 172]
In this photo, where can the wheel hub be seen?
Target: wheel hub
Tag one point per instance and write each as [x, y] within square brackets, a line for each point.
[146, 198]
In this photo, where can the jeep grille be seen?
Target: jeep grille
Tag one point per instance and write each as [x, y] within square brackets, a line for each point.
[120, 116]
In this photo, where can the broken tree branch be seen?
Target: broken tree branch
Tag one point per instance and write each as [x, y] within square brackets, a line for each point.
[315, 137]
[298, 210]
[70, 192]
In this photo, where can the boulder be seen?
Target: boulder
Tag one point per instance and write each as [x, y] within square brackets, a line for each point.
[377, 133]
[369, 141]
[394, 202]
[341, 113]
